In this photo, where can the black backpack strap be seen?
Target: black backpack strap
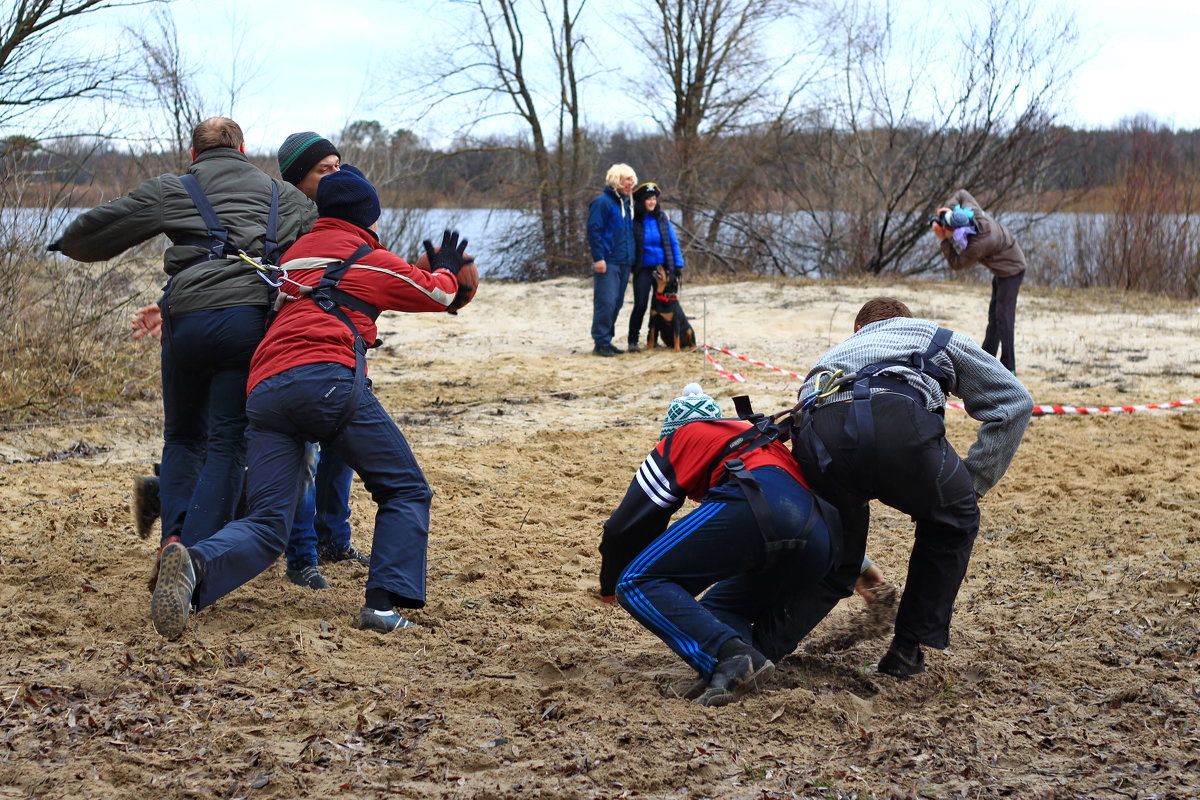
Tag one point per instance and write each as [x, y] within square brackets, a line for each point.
[860, 424]
[271, 240]
[323, 297]
[924, 361]
[219, 237]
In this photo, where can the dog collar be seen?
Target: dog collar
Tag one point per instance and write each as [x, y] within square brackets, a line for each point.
[664, 297]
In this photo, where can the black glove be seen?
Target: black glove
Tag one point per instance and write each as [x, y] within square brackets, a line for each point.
[450, 255]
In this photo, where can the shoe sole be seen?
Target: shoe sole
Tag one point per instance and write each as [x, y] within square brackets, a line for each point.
[168, 610]
[363, 625]
[746, 686]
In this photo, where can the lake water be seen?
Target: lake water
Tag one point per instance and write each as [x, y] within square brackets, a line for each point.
[1048, 240]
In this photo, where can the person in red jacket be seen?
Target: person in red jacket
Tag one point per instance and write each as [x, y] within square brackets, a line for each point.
[307, 383]
[759, 539]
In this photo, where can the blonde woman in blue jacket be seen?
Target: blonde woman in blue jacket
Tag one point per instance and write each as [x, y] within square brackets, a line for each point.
[610, 238]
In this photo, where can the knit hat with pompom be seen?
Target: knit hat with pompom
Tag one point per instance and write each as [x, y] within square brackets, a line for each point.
[691, 406]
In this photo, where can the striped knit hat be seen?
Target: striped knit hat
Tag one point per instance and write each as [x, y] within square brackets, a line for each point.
[301, 152]
[691, 406]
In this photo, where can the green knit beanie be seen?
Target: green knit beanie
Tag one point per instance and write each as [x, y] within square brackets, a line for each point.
[691, 406]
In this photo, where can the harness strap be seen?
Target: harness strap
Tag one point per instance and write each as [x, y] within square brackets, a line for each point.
[271, 239]
[762, 433]
[323, 296]
[219, 237]
[859, 431]
[347, 300]
[772, 543]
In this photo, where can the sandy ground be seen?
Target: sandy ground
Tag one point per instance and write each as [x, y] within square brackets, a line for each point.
[1073, 669]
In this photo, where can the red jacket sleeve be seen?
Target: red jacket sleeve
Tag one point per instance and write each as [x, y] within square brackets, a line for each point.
[392, 284]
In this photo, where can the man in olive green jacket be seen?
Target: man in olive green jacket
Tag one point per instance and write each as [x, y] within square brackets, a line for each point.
[213, 312]
[969, 235]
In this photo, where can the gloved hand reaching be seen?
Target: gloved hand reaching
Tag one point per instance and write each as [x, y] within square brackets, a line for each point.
[450, 256]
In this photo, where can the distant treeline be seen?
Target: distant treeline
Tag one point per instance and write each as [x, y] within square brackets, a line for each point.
[1081, 170]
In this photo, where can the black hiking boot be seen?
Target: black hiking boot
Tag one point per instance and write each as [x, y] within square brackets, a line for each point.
[740, 670]
[347, 553]
[902, 660]
[382, 621]
[309, 577]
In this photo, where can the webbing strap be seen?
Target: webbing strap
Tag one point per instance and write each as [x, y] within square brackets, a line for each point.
[347, 300]
[859, 431]
[216, 231]
[271, 239]
[219, 237]
[322, 296]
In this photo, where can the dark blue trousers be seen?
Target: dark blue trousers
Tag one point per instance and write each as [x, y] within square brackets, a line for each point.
[322, 520]
[286, 410]
[205, 363]
[719, 545]
[608, 293]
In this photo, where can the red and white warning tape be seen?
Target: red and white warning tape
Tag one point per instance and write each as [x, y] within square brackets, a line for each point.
[748, 360]
[1037, 410]
[1040, 410]
[733, 376]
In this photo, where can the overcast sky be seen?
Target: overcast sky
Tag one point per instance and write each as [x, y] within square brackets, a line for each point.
[317, 65]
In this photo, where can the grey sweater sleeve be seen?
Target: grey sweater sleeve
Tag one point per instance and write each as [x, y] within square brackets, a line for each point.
[993, 396]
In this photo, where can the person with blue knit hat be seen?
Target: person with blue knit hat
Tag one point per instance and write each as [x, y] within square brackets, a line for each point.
[968, 235]
[308, 382]
[321, 530]
[758, 543]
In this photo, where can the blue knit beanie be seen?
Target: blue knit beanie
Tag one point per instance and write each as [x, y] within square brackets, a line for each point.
[344, 195]
[301, 152]
[959, 218]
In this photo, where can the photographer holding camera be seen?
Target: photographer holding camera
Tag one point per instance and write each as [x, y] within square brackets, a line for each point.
[970, 235]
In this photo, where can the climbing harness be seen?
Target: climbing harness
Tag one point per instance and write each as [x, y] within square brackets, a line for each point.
[333, 300]
[860, 423]
[218, 237]
[763, 431]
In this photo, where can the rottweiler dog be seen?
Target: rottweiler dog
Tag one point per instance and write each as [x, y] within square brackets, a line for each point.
[667, 319]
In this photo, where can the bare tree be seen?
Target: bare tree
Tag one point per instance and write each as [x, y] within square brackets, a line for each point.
[711, 80]
[506, 69]
[1148, 242]
[58, 323]
[895, 135]
[174, 96]
[396, 164]
[39, 64]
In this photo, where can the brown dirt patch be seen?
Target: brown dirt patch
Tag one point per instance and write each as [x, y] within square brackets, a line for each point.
[1072, 671]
